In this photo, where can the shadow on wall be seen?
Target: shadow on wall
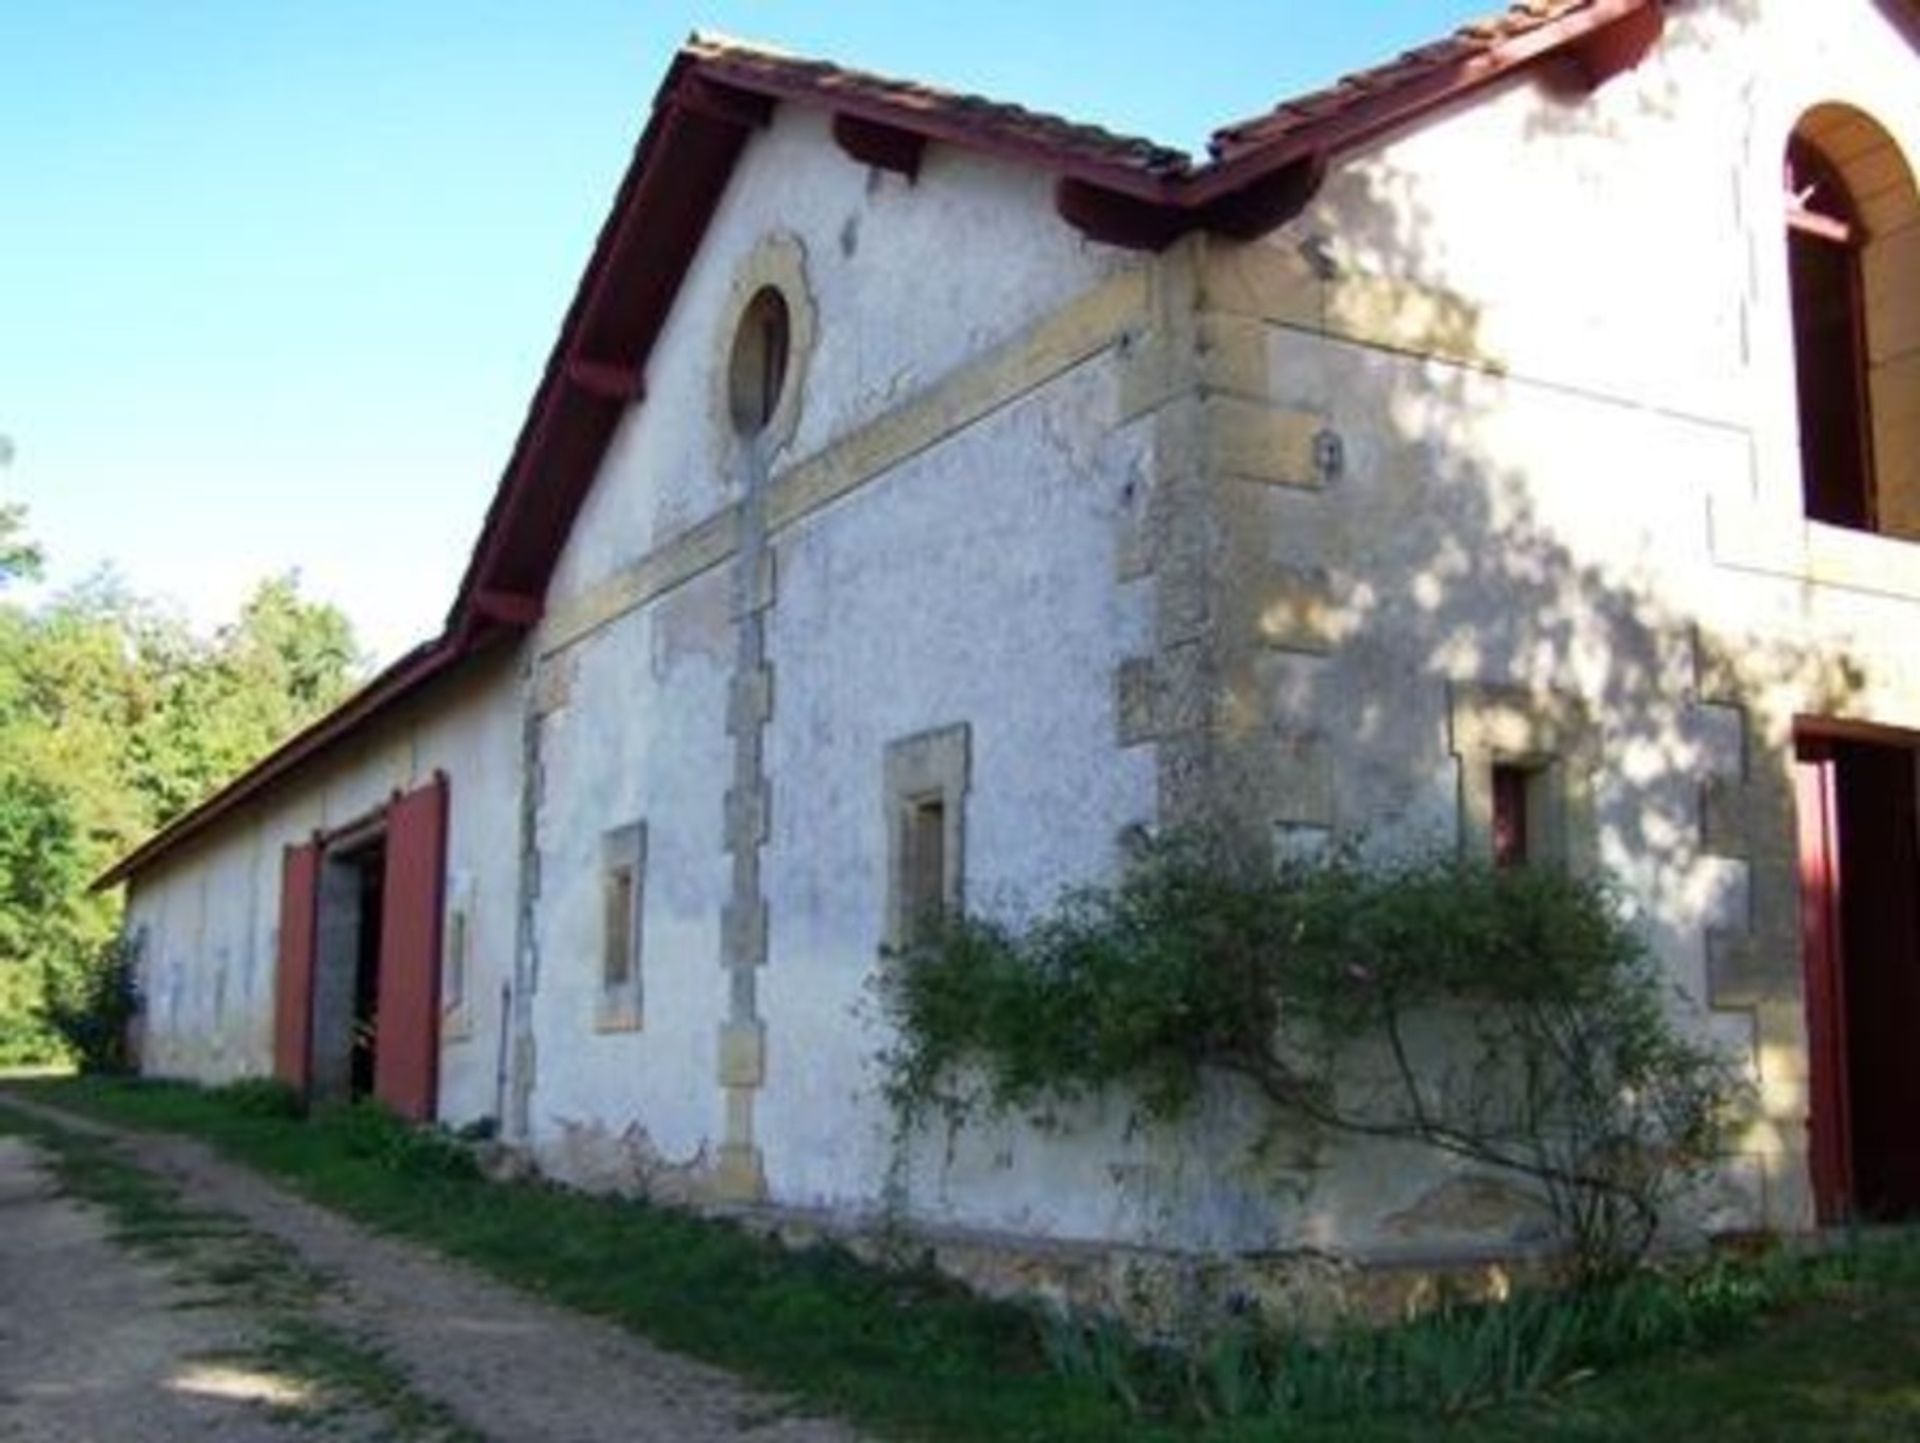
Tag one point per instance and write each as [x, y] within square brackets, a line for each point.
[1517, 560]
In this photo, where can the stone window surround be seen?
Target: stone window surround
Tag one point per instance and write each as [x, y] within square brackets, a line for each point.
[929, 764]
[779, 263]
[618, 1005]
[1547, 733]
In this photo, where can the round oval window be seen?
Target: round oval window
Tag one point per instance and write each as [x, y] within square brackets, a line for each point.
[757, 371]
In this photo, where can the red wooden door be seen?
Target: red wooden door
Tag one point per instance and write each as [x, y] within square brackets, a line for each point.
[406, 1057]
[1829, 1132]
[293, 971]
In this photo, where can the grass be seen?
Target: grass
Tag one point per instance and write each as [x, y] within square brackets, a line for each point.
[1784, 1347]
[338, 1377]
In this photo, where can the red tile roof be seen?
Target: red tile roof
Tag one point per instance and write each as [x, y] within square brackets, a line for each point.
[1475, 40]
[955, 115]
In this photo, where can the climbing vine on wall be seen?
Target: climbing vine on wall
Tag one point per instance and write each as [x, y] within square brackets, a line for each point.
[1512, 1019]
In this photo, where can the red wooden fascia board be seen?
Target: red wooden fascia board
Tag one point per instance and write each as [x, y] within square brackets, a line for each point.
[1259, 186]
[1601, 41]
[679, 172]
[608, 380]
[880, 143]
[949, 126]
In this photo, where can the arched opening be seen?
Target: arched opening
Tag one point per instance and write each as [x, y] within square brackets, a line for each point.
[1853, 241]
[757, 369]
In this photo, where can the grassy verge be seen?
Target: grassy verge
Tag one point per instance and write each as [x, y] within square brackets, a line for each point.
[1778, 1348]
[336, 1377]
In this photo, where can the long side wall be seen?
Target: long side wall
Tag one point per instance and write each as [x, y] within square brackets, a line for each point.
[208, 918]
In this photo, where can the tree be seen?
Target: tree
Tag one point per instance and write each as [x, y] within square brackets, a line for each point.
[114, 718]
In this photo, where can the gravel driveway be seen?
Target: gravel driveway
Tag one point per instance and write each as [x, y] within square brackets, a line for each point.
[90, 1335]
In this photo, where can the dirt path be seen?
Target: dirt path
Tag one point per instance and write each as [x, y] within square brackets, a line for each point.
[98, 1345]
[506, 1366]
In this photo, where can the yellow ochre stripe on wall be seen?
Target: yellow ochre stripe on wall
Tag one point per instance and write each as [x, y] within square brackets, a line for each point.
[1074, 334]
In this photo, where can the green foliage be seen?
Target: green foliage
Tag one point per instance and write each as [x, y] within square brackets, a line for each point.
[114, 717]
[20, 559]
[368, 1130]
[1464, 1357]
[1509, 1018]
[1779, 1345]
[92, 1007]
[263, 1097]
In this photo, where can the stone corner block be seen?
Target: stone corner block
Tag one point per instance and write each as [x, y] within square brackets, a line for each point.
[738, 1174]
[743, 1054]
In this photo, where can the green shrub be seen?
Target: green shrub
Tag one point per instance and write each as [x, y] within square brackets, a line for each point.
[92, 1006]
[262, 1097]
[1508, 1018]
[368, 1130]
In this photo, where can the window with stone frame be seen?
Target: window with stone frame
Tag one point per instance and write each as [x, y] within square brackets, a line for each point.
[456, 960]
[622, 916]
[926, 782]
[1527, 761]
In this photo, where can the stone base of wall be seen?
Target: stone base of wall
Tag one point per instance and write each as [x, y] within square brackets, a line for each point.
[1162, 1292]
[1154, 1291]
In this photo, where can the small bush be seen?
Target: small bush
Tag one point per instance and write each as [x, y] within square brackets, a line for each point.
[368, 1130]
[92, 1007]
[262, 1097]
[1507, 1018]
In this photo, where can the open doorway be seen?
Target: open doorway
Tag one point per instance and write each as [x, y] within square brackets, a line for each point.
[346, 982]
[1859, 803]
[357, 981]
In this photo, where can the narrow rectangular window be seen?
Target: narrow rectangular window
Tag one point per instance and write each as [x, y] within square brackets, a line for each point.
[617, 965]
[926, 864]
[1511, 787]
[926, 783]
[456, 960]
[622, 915]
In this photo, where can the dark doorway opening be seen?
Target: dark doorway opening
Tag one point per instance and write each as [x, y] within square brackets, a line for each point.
[346, 984]
[372, 869]
[1859, 802]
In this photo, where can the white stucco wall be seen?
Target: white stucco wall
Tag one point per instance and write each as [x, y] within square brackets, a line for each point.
[210, 913]
[973, 583]
[1566, 391]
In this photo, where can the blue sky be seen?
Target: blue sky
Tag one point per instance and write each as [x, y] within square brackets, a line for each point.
[277, 279]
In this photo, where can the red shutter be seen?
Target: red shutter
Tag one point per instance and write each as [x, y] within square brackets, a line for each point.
[1828, 1128]
[407, 1047]
[293, 979]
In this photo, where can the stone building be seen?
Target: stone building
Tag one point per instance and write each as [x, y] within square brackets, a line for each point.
[923, 492]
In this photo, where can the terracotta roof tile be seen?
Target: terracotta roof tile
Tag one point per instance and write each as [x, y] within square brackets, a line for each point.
[757, 65]
[1427, 61]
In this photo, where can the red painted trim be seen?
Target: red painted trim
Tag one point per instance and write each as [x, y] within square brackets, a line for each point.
[954, 126]
[712, 99]
[1843, 729]
[510, 608]
[607, 381]
[871, 142]
[1354, 122]
[1116, 218]
[1616, 47]
[1829, 1130]
[406, 1061]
